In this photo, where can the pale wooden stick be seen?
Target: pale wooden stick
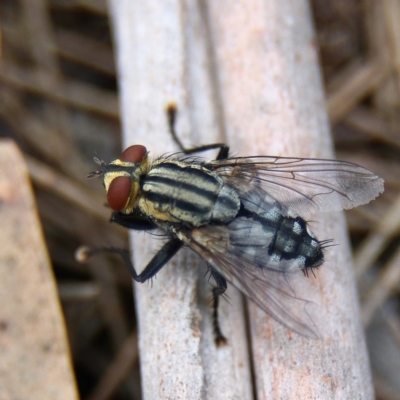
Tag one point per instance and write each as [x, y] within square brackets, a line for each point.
[272, 94]
[163, 57]
[247, 70]
[35, 362]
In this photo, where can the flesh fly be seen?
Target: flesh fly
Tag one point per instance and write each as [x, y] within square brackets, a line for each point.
[239, 214]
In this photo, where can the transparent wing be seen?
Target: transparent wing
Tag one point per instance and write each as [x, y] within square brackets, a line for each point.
[303, 185]
[239, 251]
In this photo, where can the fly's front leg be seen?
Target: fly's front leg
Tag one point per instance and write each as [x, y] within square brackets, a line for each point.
[217, 291]
[223, 148]
[159, 260]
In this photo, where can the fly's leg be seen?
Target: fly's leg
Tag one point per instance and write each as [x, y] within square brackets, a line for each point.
[217, 291]
[223, 148]
[220, 281]
[159, 260]
[133, 221]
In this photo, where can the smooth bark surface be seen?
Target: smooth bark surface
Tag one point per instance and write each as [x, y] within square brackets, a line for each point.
[245, 73]
[272, 93]
[35, 361]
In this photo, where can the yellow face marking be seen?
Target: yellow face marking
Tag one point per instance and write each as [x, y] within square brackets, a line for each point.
[134, 171]
[110, 176]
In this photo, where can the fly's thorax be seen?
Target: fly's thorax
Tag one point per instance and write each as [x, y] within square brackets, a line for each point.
[128, 171]
[187, 193]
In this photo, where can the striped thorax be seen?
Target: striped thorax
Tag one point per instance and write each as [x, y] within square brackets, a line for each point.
[174, 191]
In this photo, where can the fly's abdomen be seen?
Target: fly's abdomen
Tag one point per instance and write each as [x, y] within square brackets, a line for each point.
[271, 240]
[179, 192]
[294, 241]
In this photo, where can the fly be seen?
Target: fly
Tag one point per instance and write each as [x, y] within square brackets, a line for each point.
[239, 214]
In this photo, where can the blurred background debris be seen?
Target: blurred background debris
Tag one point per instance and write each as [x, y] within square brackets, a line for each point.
[59, 103]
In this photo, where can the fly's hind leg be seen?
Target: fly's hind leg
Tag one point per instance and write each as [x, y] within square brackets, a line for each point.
[171, 114]
[217, 291]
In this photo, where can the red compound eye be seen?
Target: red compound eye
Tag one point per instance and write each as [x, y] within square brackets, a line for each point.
[119, 192]
[133, 153]
[120, 188]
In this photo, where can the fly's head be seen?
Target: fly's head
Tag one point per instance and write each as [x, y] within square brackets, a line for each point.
[121, 178]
